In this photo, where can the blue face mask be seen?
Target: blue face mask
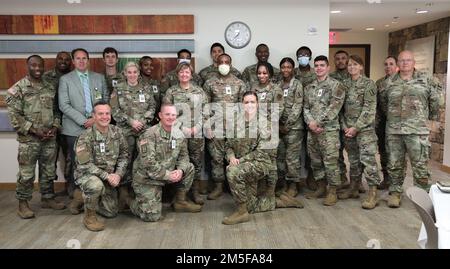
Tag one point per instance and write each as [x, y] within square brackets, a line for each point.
[303, 60]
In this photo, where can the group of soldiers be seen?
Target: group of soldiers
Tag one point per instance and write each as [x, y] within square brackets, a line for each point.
[159, 130]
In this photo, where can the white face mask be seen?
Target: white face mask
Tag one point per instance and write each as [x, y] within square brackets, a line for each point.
[188, 61]
[224, 69]
[303, 60]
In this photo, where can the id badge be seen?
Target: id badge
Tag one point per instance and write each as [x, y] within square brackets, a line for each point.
[114, 82]
[174, 144]
[142, 98]
[155, 89]
[286, 92]
[228, 90]
[102, 147]
[98, 94]
[263, 96]
[320, 92]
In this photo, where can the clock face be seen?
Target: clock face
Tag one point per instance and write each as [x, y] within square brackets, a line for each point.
[238, 34]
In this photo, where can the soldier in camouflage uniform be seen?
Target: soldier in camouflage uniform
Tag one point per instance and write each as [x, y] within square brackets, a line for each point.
[291, 129]
[341, 74]
[413, 98]
[357, 121]
[323, 101]
[222, 91]
[163, 158]
[62, 67]
[249, 73]
[212, 70]
[112, 76]
[133, 107]
[145, 64]
[171, 78]
[249, 153]
[33, 114]
[269, 94]
[184, 96]
[101, 162]
[390, 68]
[303, 72]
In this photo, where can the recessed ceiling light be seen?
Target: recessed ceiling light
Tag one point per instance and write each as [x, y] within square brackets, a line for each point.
[386, 25]
[394, 22]
[370, 28]
[335, 11]
[420, 11]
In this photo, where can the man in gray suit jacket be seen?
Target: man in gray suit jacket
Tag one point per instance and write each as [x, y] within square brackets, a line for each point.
[78, 91]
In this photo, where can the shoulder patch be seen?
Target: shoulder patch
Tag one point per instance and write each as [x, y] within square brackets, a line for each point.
[13, 91]
[143, 142]
[81, 148]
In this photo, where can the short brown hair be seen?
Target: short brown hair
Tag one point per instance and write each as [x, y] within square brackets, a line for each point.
[357, 59]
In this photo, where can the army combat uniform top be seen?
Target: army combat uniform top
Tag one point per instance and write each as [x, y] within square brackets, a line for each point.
[171, 79]
[249, 75]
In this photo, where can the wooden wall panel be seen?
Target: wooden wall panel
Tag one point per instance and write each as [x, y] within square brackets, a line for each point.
[97, 24]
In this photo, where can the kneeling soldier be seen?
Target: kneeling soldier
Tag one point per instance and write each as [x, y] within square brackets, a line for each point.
[101, 162]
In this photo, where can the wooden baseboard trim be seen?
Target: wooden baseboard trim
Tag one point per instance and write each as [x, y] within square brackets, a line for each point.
[445, 168]
[12, 186]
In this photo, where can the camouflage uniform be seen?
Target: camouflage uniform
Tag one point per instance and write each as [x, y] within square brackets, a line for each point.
[155, 88]
[410, 104]
[159, 153]
[268, 95]
[34, 105]
[112, 81]
[195, 99]
[359, 112]
[322, 104]
[171, 79]
[249, 74]
[213, 71]
[130, 103]
[290, 147]
[52, 77]
[97, 156]
[341, 76]
[221, 92]
[254, 151]
[305, 78]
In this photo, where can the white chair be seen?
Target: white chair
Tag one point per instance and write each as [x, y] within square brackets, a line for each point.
[423, 204]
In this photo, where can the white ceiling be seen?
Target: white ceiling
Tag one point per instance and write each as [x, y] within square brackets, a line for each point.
[360, 14]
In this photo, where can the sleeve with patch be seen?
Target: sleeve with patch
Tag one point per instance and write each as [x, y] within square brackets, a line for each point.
[83, 154]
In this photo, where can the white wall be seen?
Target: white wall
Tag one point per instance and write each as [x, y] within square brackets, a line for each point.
[446, 160]
[280, 24]
[379, 42]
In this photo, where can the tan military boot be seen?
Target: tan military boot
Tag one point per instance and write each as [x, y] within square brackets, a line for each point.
[292, 189]
[238, 216]
[394, 199]
[91, 222]
[372, 200]
[331, 198]
[217, 191]
[320, 191]
[52, 203]
[24, 210]
[124, 198]
[351, 192]
[289, 201]
[203, 186]
[196, 194]
[361, 188]
[75, 206]
[182, 204]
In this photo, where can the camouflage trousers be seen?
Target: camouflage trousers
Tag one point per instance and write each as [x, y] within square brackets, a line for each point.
[289, 161]
[196, 151]
[132, 149]
[99, 195]
[216, 147]
[243, 180]
[341, 160]
[44, 153]
[418, 148]
[148, 203]
[323, 149]
[362, 151]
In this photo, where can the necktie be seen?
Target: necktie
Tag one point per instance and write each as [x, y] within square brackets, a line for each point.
[87, 94]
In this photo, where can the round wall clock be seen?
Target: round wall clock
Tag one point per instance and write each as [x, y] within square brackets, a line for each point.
[238, 34]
